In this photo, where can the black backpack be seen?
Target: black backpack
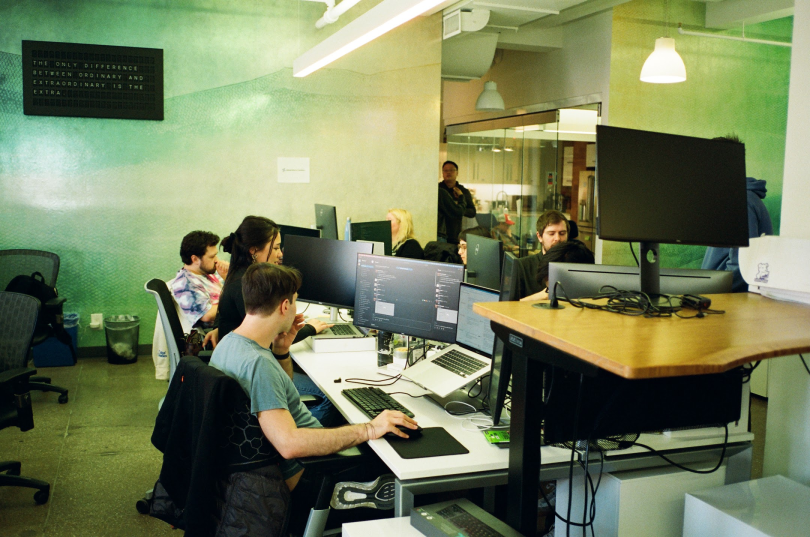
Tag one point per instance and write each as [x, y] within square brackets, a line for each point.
[35, 286]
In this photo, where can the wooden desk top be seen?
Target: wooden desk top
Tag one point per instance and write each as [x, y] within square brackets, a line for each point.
[753, 328]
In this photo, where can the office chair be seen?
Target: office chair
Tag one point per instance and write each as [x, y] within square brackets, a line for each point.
[175, 338]
[207, 414]
[16, 262]
[18, 319]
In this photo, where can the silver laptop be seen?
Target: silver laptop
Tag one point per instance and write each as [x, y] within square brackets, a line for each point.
[341, 330]
[471, 355]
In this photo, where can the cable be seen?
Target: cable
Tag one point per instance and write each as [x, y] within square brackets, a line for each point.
[676, 465]
[805, 364]
[633, 252]
[573, 452]
[374, 382]
[305, 309]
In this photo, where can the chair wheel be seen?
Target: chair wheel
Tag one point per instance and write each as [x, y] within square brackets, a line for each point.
[41, 496]
[63, 398]
[142, 506]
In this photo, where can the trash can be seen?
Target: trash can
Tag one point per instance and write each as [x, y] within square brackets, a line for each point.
[122, 338]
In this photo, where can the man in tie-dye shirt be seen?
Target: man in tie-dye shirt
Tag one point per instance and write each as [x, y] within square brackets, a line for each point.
[198, 284]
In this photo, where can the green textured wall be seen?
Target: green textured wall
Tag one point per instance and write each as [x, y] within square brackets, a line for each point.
[731, 87]
[114, 197]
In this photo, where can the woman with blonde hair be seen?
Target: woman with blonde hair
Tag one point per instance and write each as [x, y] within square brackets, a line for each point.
[403, 239]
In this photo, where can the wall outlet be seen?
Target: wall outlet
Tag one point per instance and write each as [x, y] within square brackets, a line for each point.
[96, 319]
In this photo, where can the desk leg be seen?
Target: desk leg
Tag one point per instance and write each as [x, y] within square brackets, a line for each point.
[403, 500]
[738, 467]
[524, 447]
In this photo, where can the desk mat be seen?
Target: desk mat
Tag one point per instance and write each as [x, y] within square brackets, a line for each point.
[434, 442]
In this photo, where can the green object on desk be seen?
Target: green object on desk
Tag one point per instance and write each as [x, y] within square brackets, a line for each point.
[497, 437]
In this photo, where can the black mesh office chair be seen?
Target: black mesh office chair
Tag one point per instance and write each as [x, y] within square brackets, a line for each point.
[16, 262]
[18, 318]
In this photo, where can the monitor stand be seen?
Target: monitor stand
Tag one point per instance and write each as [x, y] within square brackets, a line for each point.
[649, 272]
[333, 315]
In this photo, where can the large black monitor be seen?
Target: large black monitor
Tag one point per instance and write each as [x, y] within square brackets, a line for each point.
[328, 268]
[300, 231]
[408, 296]
[577, 280]
[500, 370]
[663, 188]
[326, 221]
[484, 261]
[373, 231]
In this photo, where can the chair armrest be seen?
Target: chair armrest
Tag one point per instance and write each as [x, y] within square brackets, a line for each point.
[13, 375]
[205, 356]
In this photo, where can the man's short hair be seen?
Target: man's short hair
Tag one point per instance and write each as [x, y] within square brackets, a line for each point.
[265, 286]
[481, 231]
[729, 138]
[549, 218]
[196, 243]
[446, 162]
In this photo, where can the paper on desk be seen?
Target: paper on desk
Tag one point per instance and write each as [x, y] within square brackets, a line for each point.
[777, 267]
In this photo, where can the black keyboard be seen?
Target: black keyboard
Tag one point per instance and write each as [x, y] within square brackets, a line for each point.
[373, 401]
[342, 330]
[463, 520]
[459, 363]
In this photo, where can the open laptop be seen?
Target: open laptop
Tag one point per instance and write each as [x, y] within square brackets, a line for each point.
[471, 355]
[341, 330]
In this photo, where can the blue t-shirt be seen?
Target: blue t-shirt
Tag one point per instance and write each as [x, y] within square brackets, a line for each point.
[261, 376]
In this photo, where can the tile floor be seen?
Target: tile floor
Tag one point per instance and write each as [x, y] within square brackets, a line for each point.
[95, 452]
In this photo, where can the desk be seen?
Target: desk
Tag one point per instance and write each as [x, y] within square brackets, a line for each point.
[486, 465]
[753, 328]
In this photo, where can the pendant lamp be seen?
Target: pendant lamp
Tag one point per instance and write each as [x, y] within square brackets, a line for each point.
[489, 100]
[664, 65]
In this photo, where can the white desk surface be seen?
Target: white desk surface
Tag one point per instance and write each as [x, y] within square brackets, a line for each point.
[324, 368]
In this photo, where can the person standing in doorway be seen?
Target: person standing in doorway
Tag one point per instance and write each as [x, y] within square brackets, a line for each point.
[455, 202]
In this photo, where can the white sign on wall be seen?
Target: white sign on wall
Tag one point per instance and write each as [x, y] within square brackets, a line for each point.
[293, 170]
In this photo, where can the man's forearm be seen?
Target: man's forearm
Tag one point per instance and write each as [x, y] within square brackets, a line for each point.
[286, 365]
[318, 442]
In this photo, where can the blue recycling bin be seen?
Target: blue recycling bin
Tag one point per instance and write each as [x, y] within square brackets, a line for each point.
[54, 353]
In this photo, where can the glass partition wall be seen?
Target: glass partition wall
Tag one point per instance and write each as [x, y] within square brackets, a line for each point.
[520, 166]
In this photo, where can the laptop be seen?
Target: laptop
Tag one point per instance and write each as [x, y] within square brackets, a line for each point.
[341, 330]
[469, 357]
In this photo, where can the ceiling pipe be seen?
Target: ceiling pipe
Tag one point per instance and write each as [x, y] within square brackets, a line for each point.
[734, 38]
[334, 12]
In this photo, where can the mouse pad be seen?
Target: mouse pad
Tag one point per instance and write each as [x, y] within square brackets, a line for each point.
[434, 442]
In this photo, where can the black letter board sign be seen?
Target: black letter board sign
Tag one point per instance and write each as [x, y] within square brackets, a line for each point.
[71, 79]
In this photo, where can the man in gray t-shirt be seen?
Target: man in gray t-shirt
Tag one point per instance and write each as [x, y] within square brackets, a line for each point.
[270, 292]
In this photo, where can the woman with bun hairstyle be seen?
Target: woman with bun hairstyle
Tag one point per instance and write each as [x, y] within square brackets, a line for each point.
[257, 240]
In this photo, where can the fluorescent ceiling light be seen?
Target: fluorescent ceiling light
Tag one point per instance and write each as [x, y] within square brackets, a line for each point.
[380, 19]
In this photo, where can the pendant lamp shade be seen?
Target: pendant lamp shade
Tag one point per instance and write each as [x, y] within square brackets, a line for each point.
[664, 66]
[489, 100]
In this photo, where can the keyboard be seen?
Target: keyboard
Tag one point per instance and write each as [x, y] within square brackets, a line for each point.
[470, 525]
[342, 330]
[459, 363]
[372, 401]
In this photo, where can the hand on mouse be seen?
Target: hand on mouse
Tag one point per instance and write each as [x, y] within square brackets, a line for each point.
[387, 421]
[319, 325]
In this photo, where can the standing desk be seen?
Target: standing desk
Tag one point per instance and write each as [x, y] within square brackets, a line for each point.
[581, 340]
[486, 465]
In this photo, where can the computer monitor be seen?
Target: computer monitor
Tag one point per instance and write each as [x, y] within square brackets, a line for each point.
[408, 296]
[510, 277]
[300, 231]
[663, 188]
[373, 231]
[328, 268]
[326, 221]
[486, 220]
[578, 280]
[473, 330]
[484, 261]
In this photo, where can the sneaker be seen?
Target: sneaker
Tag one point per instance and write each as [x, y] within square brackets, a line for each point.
[377, 494]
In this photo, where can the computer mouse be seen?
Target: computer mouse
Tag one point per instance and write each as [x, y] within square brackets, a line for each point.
[413, 434]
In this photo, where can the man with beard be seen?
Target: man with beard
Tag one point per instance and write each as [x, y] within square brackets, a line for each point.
[197, 286]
